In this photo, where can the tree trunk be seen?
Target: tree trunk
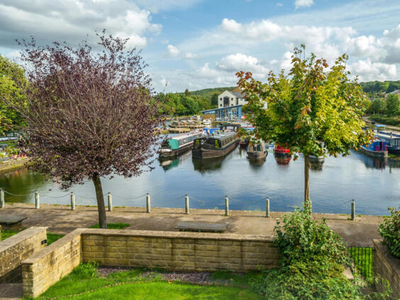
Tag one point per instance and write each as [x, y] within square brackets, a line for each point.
[306, 178]
[100, 201]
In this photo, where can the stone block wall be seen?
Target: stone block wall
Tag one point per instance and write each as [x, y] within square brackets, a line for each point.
[17, 248]
[178, 251]
[48, 266]
[387, 267]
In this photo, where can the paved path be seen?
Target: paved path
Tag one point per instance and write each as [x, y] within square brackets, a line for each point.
[60, 219]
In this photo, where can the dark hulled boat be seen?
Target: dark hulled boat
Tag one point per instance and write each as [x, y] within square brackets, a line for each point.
[178, 144]
[215, 146]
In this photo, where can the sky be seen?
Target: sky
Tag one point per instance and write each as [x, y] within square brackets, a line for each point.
[196, 44]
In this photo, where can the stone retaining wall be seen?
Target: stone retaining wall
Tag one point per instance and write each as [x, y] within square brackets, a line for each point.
[387, 267]
[175, 251]
[178, 251]
[17, 248]
[46, 267]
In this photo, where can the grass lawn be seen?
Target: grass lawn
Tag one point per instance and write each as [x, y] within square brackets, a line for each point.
[113, 226]
[7, 233]
[85, 283]
[51, 237]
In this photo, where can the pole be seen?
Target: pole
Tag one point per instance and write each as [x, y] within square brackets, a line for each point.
[267, 210]
[148, 203]
[353, 210]
[226, 206]
[109, 196]
[37, 200]
[72, 201]
[2, 201]
[187, 204]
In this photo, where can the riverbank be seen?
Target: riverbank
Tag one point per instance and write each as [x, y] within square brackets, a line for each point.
[61, 219]
[12, 164]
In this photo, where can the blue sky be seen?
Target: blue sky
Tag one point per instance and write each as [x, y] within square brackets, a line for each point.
[199, 44]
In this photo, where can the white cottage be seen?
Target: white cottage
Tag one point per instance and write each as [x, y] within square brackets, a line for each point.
[233, 98]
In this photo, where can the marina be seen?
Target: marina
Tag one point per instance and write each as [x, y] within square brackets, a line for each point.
[372, 182]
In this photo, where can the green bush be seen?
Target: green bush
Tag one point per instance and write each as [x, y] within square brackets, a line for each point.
[301, 238]
[389, 230]
[311, 258]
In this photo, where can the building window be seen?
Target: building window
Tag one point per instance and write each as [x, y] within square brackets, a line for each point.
[220, 105]
[237, 101]
[220, 98]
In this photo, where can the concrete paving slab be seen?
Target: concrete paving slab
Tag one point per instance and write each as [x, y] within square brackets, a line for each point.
[61, 219]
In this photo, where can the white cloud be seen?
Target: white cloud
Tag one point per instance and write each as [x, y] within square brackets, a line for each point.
[230, 25]
[241, 62]
[173, 51]
[190, 55]
[166, 5]
[279, 4]
[369, 71]
[303, 3]
[73, 20]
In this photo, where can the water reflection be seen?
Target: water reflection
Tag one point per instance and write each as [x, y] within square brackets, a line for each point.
[256, 164]
[207, 165]
[316, 165]
[22, 183]
[371, 162]
[168, 164]
[282, 158]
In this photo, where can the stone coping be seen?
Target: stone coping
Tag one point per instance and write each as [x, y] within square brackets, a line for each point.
[54, 246]
[20, 237]
[176, 234]
[394, 262]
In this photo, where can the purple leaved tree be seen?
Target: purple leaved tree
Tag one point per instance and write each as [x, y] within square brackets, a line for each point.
[89, 112]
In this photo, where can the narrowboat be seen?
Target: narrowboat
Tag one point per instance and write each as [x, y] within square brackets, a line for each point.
[244, 142]
[316, 159]
[281, 150]
[376, 149]
[216, 145]
[178, 144]
[392, 140]
[257, 151]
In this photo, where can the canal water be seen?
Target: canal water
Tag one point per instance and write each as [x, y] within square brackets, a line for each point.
[374, 184]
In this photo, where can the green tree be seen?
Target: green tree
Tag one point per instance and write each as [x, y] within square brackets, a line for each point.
[214, 100]
[392, 105]
[12, 82]
[377, 106]
[314, 111]
[393, 86]
[381, 86]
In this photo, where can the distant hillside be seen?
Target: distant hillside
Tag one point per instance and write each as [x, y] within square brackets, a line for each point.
[208, 93]
[374, 87]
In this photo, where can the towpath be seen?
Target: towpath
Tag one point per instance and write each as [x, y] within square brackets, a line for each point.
[61, 219]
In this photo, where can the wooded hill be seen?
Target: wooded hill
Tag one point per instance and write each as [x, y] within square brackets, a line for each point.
[192, 102]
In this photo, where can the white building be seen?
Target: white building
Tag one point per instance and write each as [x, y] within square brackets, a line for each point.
[233, 98]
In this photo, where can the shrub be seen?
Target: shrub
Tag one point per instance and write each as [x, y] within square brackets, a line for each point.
[311, 258]
[389, 230]
[301, 238]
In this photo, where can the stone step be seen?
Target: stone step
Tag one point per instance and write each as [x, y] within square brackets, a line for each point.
[11, 291]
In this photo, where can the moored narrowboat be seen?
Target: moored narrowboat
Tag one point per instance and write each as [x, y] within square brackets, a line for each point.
[257, 151]
[215, 145]
[281, 150]
[392, 140]
[178, 144]
[376, 149]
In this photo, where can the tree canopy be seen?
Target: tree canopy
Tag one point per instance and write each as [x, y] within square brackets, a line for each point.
[12, 85]
[90, 113]
[314, 110]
